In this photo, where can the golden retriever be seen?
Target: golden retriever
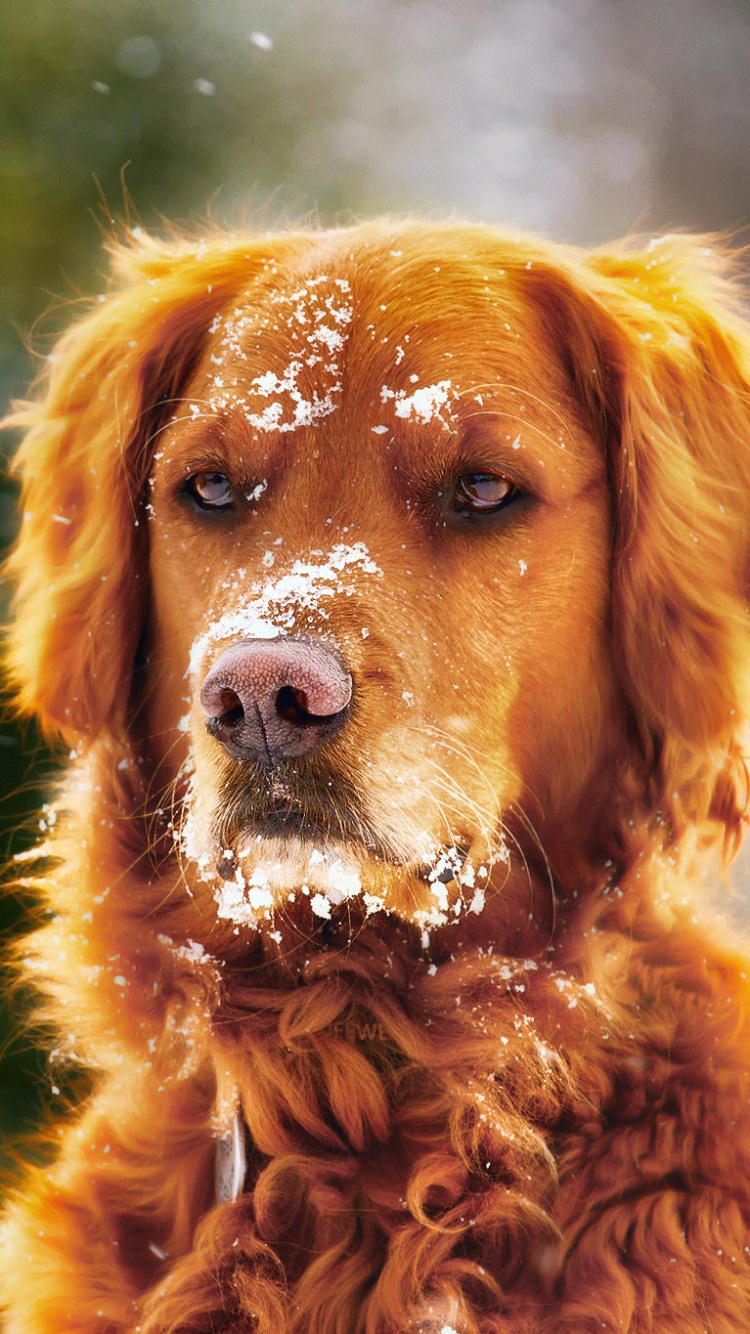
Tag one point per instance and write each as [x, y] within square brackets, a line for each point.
[387, 586]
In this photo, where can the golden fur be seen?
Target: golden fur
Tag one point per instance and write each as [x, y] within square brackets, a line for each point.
[512, 1102]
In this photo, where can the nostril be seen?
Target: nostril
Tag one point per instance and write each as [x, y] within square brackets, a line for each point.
[228, 706]
[291, 705]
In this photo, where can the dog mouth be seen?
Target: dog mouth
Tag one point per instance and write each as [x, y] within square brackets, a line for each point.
[304, 809]
[293, 814]
[301, 848]
[286, 824]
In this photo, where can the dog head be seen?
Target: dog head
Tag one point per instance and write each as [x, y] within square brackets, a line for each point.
[430, 544]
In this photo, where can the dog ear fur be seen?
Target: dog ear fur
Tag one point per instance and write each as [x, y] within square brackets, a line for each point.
[661, 362]
[79, 565]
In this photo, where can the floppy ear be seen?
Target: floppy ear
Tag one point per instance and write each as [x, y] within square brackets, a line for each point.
[661, 361]
[80, 563]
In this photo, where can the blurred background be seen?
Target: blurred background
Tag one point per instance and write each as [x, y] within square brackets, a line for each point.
[581, 119]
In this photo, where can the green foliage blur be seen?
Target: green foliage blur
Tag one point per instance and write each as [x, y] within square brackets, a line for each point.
[159, 100]
[131, 111]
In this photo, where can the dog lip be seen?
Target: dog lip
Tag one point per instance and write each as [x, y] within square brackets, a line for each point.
[334, 821]
[287, 821]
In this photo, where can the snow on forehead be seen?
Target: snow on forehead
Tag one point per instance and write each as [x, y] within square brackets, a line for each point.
[320, 302]
[313, 316]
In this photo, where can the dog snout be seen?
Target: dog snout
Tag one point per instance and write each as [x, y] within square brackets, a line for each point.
[276, 700]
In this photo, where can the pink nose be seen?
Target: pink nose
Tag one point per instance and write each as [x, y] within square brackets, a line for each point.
[274, 700]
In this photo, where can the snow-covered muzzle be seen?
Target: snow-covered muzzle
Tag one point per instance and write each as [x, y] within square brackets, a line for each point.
[268, 829]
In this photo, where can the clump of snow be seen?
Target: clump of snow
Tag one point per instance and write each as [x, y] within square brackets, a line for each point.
[450, 867]
[272, 608]
[192, 952]
[315, 316]
[424, 403]
[257, 491]
[344, 881]
[253, 894]
[232, 903]
[477, 903]
[306, 411]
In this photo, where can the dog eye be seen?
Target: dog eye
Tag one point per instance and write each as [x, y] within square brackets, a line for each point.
[483, 492]
[210, 490]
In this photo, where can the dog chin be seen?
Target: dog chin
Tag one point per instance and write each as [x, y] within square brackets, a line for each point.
[273, 871]
[324, 879]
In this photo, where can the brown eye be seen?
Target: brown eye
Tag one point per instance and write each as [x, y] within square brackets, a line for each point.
[210, 490]
[483, 492]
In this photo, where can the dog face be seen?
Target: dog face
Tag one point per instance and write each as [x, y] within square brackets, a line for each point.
[405, 523]
[358, 504]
